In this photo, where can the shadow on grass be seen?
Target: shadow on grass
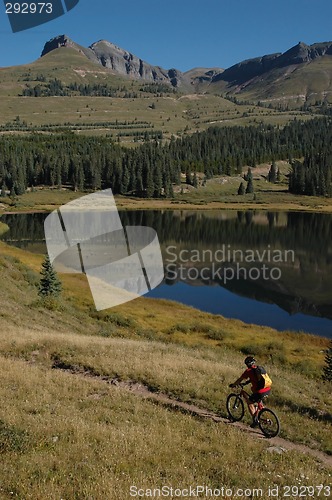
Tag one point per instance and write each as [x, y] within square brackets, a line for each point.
[310, 412]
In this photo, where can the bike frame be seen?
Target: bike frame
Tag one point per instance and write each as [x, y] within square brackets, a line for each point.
[259, 405]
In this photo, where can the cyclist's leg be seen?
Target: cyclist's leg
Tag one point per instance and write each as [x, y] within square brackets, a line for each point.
[250, 402]
[257, 398]
[253, 400]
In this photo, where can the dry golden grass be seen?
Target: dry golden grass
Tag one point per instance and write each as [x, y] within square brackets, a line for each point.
[63, 435]
[198, 374]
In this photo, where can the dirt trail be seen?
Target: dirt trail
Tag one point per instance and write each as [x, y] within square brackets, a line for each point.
[165, 400]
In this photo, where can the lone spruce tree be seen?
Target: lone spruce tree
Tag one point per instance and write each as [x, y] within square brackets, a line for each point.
[272, 175]
[327, 370]
[241, 191]
[50, 285]
[250, 186]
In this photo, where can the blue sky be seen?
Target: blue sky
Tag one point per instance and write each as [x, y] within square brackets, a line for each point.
[179, 33]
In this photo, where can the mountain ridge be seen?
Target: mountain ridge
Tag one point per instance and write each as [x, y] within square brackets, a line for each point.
[121, 61]
[265, 77]
[298, 54]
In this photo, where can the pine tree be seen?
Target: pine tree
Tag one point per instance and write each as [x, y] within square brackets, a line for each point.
[250, 186]
[327, 370]
[272, 176]
[188, 178]
[278, 175]
[241, 189]
[50, 285]
[149, 183]
[248, 175]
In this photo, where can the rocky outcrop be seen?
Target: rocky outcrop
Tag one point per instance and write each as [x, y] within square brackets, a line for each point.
[65, 41]
[302, 53]
[199, 76]
[120, 61]
[125, 63]
[251, 68]
[246, 70]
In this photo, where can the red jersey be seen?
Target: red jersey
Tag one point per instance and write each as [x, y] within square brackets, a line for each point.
[251, 374]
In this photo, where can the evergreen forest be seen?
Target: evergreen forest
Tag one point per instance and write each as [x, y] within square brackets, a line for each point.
[153, 167]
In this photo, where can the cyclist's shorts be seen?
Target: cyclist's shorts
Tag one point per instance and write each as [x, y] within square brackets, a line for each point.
[258, 396]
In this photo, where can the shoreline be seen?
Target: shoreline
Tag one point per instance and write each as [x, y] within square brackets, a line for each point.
[278, 207]
[155, 204]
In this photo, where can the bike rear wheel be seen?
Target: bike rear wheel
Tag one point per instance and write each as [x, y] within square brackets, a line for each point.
[235, 407]
[268, 423]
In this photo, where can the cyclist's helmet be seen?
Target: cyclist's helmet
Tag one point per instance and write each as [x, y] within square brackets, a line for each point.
[250, 361]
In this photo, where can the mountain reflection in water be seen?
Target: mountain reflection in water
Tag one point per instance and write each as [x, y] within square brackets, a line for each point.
[297, 296]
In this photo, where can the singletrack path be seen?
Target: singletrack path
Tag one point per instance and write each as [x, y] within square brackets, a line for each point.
[144, 391]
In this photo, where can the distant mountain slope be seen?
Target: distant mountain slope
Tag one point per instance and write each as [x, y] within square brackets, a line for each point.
[251, 68]
[303, 72]
[68, 66]
[202, 75]
[120, 61]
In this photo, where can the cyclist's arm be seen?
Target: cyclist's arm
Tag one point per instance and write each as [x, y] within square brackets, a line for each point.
[239, 380]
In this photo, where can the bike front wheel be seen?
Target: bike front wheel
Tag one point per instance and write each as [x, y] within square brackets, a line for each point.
[268, 423]
[235, 407]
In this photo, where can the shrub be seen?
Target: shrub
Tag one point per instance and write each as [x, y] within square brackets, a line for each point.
[327, 370]
[119, 320]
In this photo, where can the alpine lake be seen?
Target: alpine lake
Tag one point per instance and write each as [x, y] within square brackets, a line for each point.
[264, 268]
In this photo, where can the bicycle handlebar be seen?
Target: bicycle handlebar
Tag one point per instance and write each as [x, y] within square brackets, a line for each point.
[241, 384]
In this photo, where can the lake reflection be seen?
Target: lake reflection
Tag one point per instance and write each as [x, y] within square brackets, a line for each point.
[199, 271]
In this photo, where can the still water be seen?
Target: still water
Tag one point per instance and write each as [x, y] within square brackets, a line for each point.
[264, 268]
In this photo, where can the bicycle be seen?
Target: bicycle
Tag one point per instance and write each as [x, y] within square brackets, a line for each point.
[268, 421]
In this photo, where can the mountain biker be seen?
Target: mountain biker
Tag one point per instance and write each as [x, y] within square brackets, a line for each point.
[258, 392]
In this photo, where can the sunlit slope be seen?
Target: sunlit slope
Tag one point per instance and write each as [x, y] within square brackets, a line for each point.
[294, 84]
[169, 111]
[69, 430]
[65, 64]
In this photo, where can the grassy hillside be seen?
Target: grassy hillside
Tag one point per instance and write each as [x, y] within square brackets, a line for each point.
[172, 113]
[292, 86]
[66, 435]
[68, 65]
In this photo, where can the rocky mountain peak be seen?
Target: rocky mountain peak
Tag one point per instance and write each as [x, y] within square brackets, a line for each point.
[125, 63]
[303, 53]
[57, 42]
[120, 61]
[251, 68]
